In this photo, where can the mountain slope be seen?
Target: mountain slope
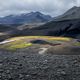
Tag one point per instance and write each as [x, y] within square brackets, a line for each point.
[6, 32]
[67, 25]
[33, 17]
[73, 13]
[69, 28]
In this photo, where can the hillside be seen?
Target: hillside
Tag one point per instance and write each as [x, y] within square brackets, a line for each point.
[47, 44]
[68, 24]
[7, 32]
[73, 13]
[68, 28]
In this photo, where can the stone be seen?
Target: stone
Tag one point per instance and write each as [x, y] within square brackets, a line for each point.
[10, 79]
[63, 72]
[0, 76]
[1, 70]
[1, 64]
[24, 56]
[16, 59]
[20, 76]
[20, 64]
[7, 71]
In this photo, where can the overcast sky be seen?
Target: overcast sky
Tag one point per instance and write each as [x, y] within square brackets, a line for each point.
[51, 7]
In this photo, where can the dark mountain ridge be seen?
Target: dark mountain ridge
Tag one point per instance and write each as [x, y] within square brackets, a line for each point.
[63, 25]
[67, 25]
[73, 13]
[68, 28]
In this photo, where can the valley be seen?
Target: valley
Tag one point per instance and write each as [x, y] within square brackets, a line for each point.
[36, 46]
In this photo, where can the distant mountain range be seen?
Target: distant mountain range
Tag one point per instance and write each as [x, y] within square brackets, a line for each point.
[29, 18]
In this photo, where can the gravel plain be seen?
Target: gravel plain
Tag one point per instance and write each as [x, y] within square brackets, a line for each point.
[29, 65]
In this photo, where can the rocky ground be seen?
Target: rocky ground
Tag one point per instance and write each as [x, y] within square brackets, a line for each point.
[30, 65]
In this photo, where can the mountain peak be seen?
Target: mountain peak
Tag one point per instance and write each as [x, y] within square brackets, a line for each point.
[72, 13]
[75, 7]
[37, 12]
[32, 17]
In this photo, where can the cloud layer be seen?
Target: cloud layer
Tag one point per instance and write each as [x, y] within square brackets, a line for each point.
[51, 7]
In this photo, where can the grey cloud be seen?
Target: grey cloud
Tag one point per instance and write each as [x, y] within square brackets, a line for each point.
[51, 7]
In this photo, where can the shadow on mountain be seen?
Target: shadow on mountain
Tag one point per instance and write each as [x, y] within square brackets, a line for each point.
[68, 28]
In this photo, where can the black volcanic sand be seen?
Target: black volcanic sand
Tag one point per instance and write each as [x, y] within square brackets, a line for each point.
[29, 65]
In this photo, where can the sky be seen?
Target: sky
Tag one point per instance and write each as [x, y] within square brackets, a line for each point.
[50, 7]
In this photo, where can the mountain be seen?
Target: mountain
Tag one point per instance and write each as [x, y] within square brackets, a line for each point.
[69, 26]
[29, 18]
[73, 13]
[7, 32]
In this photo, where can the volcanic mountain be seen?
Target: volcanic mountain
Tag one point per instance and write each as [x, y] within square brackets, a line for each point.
[26, 18]
[73, 13]
[67, 24]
